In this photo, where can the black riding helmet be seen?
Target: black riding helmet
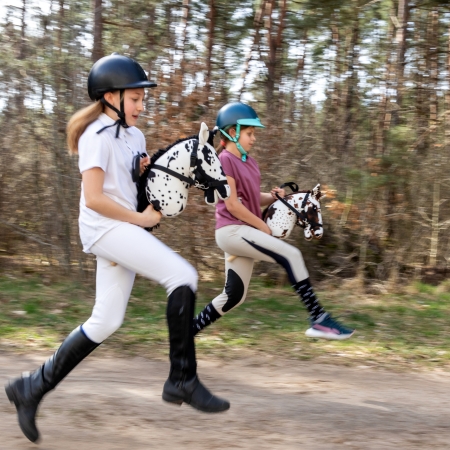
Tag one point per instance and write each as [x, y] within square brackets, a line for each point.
[116, 73]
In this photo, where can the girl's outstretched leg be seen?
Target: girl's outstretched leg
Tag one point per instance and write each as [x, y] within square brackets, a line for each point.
[308, 297]
[252, 243]
[183, 384]
[27, 391]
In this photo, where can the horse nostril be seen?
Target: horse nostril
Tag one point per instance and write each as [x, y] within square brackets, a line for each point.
[318, 234]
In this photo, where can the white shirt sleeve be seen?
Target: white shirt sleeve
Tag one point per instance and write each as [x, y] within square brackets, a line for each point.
[93, 151]
[142, 141]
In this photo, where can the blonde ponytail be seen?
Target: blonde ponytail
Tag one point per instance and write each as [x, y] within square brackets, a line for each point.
[79, 122]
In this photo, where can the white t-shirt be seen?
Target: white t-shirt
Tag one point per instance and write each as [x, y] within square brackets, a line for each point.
[115, 157]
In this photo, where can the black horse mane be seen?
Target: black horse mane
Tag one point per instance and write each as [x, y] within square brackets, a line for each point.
[162, 151]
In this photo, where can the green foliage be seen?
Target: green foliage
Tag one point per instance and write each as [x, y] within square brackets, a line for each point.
[393, 330]
[400, 137]
[374, 135]
[425, 288]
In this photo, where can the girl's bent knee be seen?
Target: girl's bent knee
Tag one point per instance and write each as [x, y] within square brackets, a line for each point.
[294, 254]
[187, 276]
[234, 292]
[99, 332]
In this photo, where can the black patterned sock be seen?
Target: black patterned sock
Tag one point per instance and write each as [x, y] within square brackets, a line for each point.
[208, 316]
[308, 297]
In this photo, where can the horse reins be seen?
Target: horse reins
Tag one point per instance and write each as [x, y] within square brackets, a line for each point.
[187, 180]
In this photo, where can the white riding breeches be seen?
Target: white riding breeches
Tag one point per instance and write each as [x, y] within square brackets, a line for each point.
[133, 250]
[248, 244]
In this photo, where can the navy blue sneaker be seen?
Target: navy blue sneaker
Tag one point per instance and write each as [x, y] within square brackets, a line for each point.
[328, 328]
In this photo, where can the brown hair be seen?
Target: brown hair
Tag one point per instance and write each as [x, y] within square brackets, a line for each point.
[79, 122]
[225, 140]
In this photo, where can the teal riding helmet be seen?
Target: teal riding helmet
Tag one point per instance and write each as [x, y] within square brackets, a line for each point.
[237, 114]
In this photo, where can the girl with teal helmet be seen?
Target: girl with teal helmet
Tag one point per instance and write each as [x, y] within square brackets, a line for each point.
[237, 115]
[245, 237]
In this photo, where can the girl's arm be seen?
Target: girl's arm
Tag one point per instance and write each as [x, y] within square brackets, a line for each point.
[267, 199]
[238, 210]
[96, 200]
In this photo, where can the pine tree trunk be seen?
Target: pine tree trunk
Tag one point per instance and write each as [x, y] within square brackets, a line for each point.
[273, 61]
[97, 50]
[257, 24]
[210, 44]
[403, 14]
[385, 108]
[352, 81]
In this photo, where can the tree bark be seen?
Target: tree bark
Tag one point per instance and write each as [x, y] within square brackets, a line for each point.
[274, 42]
[21, 55]
[385, 107]
[403, 15]
[97, 50]
[257, 24]
[210, 44]
[352, 81]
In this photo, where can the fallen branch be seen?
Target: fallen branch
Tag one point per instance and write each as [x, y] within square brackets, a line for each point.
[23, 232]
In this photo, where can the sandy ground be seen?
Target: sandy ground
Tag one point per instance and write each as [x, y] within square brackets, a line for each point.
[110, 403]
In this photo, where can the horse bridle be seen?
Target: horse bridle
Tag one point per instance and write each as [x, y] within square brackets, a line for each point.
[301, 215]
[198, 182]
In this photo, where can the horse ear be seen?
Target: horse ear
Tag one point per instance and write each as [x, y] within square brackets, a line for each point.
[203, 134]
[316, 192]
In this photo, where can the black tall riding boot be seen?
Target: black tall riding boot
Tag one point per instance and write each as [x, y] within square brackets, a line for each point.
[27, 391]
[183, 384]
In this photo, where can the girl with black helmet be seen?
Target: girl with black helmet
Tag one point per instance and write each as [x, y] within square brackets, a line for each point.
[112, 229]
[241, 232]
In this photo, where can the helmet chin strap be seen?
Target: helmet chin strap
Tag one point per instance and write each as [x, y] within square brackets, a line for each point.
[121, 120]
[235, 140]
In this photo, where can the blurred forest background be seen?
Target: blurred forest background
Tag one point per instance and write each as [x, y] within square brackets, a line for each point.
[355, 94]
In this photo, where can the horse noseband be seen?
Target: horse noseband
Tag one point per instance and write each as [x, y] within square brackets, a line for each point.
[204, 185]
[200, 182]
[302, 218]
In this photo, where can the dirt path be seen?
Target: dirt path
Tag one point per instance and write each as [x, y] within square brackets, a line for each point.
[115, 403]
